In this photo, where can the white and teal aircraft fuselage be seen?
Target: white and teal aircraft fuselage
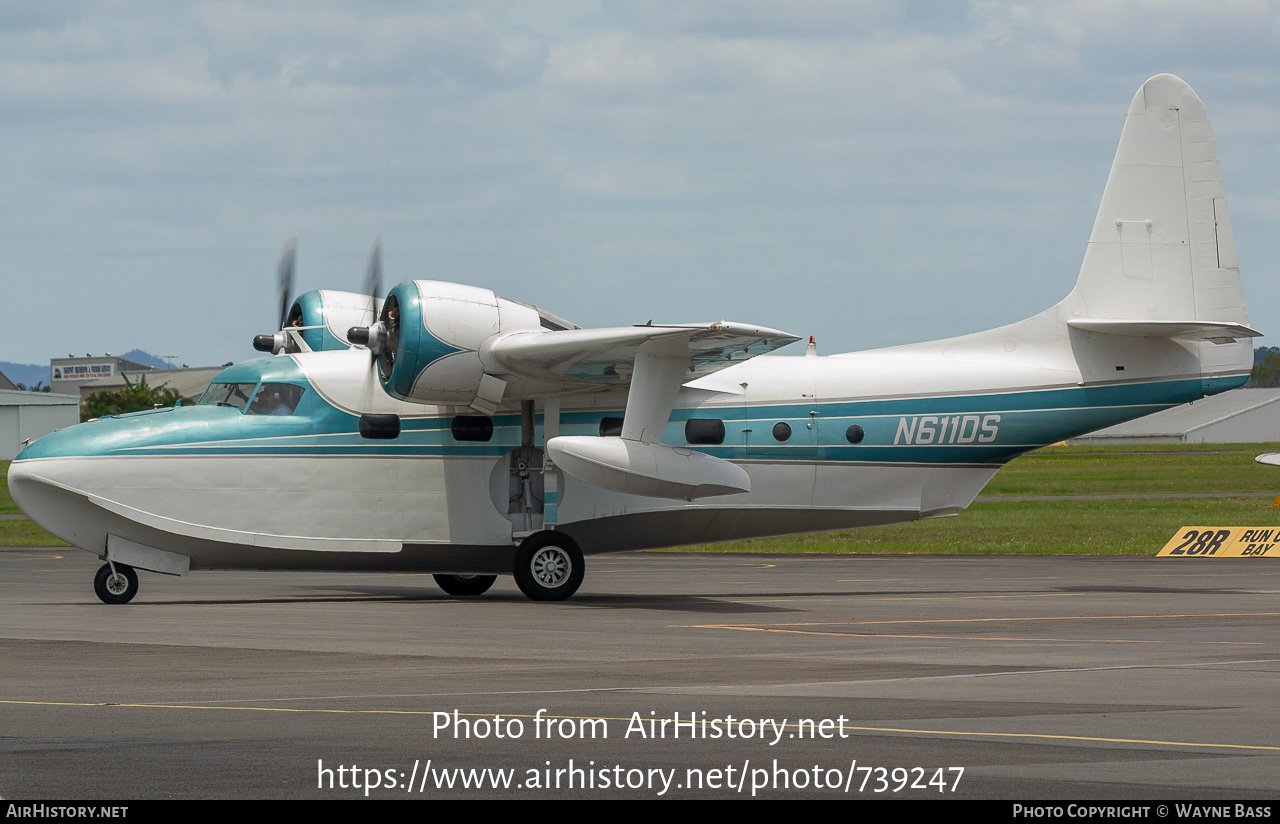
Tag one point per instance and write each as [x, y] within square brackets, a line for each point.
[470, 436]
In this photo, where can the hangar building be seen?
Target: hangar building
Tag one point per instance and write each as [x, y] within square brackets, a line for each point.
[1238, 416]
[28, 415]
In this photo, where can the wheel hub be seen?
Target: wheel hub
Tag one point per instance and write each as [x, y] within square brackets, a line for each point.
[117, 584]
[551, 566]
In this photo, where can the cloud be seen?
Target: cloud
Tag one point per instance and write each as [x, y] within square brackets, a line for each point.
[470, 44]
[880, 157]
[628, 179]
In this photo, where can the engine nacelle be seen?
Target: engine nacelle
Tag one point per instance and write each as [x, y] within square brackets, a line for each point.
[330, 314]
[434, 331]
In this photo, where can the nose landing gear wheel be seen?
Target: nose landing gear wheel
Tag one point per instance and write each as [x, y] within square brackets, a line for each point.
[549, 567]
[463, 585]
[117, 587]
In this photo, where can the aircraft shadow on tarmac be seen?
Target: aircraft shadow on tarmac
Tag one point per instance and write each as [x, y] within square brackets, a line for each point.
[721, 603]
[373, 595]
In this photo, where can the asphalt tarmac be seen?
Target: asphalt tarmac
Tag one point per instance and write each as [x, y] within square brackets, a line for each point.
[1017, 678]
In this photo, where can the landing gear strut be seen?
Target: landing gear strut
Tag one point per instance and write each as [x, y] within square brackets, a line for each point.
[549, 566]
[116, 585]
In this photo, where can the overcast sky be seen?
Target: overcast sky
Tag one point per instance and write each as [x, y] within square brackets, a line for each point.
[868, 172]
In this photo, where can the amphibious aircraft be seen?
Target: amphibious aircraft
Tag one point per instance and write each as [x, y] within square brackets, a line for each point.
[448, 430]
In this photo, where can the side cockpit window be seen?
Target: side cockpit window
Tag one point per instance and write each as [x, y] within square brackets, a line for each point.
[276, 399]
[229, 394]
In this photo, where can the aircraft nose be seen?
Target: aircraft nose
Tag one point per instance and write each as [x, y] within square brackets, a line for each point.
[21, 479]
[28, 489]
[55, 504]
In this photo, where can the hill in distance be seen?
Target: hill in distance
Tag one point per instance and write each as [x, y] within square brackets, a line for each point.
[145, 358]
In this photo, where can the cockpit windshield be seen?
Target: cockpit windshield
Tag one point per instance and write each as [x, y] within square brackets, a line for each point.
[269, 399]
[229, 394]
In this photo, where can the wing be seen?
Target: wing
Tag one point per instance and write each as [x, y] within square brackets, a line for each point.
[606, 357]
[656, 361]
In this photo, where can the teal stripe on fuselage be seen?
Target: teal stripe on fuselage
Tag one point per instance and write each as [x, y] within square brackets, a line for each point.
[893, 428]
[1159, 394]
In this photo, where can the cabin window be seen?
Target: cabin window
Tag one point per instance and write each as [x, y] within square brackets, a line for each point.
[781, 431]
[611, 427]
[472, 428]
[276, 399]
[706, 431]
[229, 394]
[854, 434]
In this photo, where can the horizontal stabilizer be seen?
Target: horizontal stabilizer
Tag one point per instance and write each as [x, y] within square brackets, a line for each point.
[1270, 458]
[1190, 330]
[607, 356]
[650, 469]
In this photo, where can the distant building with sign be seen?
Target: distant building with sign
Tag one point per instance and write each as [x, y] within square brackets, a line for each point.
[67, 374]
[188, 382]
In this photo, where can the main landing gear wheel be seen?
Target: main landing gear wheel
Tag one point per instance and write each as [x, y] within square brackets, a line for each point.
[463, 585]
[116, 587]
[549, 567]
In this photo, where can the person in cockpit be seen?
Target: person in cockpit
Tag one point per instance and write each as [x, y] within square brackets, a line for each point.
[269, 401]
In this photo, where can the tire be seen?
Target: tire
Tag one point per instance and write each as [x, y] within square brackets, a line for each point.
[464, 585]
[549, 567]
[118, 587]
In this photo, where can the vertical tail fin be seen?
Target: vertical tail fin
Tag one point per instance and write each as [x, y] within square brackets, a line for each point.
[1161, 260]
[1161, 246]
[1158, 298]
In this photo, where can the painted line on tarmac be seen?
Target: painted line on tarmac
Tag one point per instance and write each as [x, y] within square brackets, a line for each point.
[999, 674]
[981, 620]
[868, 599]
[709, 688]
[866, 729]
[1002, 639]
[965, 597]
[795, 628]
